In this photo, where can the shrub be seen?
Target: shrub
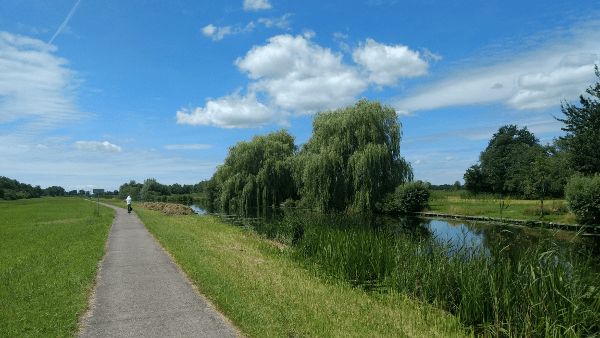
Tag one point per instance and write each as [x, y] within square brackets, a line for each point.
[408, 197]
[583, 197]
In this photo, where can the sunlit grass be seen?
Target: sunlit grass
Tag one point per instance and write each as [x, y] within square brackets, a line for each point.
[451, 202]
[268, 294]
[49, 253]
[496, 291]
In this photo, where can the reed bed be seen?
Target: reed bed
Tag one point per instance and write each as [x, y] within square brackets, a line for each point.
[543, 291]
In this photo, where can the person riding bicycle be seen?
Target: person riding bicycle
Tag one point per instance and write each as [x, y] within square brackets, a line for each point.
[129, 205]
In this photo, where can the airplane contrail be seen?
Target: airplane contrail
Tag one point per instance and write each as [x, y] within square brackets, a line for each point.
[65, 22]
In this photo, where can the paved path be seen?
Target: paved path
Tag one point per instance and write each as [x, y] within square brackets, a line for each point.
[142, 293]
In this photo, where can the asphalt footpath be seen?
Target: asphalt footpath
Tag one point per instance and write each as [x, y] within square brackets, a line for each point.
[141, 293]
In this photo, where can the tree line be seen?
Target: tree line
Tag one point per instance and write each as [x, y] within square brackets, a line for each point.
[11, 189]
[516, 164]
[151, 190]
[351, 162]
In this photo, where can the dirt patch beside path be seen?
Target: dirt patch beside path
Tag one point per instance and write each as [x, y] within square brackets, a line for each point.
[168, 209]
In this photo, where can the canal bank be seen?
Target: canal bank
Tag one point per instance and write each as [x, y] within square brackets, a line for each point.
[586, 229]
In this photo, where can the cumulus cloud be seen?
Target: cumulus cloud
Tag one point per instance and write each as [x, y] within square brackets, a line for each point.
[255, 5]
[188, 147]
[231, 111]
[386, 64]
[218, 33]
[300, 75]
[35, 85]
[97, 146]
[293, 75]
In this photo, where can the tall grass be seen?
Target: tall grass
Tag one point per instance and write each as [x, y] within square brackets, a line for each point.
[541, 291]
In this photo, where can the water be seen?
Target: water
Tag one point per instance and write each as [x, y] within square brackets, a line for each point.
[198, 209]
[475, 234]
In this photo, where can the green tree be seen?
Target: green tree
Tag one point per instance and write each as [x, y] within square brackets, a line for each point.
[504, 162]
[151, 190]
[582, 125]
[256, 174]
[352, 159]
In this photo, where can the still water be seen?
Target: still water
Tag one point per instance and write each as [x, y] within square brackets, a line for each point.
[475, 234]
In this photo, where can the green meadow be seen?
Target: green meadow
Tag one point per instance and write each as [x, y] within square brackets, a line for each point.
[462, 203]
[49, 253]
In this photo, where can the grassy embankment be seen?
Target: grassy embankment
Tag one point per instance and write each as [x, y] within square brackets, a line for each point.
[49, 253]
[265, 293]
[460, 203]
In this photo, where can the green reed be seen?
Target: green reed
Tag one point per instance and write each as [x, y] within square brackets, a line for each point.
[541, 291]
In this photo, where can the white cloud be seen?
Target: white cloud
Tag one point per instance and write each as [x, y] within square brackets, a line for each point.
[386, 64]
[302, 76]
[538, 90]
[282, 22]
[339, 35]
[231, 111]
[291, 74]
[254, 5]
[449, 158]
[218, 33]
[34, 84]
[188, 146]
[97, 146]
[557, 69]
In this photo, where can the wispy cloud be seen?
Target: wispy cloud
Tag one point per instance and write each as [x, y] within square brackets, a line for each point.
[97, 146]
[66, 21]
[255, 5]
[560, 68]
[188, 147]
[282, 22]
[37, 89]
[218, 33]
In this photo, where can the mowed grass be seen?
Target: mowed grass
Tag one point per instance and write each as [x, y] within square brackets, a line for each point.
[257, 285]
[49, 253]
[451, 202]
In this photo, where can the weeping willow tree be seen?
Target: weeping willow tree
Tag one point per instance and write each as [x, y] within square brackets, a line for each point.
[353, 158]
[256, 174]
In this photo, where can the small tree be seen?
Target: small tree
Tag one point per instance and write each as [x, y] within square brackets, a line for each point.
[583, 197]
[407, 198]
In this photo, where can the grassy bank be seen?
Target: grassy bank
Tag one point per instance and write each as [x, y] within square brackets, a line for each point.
[542, 291]
[49, 252]
[266, 293]
[460, 203]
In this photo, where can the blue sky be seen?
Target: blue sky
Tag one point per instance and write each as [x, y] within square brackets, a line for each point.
[94, 94]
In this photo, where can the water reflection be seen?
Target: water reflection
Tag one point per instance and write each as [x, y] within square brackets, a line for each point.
[457, 233]
[198, 209]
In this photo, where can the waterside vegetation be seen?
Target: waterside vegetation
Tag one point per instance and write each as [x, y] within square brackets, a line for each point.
[266, 292]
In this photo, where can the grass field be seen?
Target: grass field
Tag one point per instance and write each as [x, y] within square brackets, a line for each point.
[458, 203]
[265, 293]
[49, 253]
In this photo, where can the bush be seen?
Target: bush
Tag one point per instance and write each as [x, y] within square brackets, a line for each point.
[408, 197]
[583, 197]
